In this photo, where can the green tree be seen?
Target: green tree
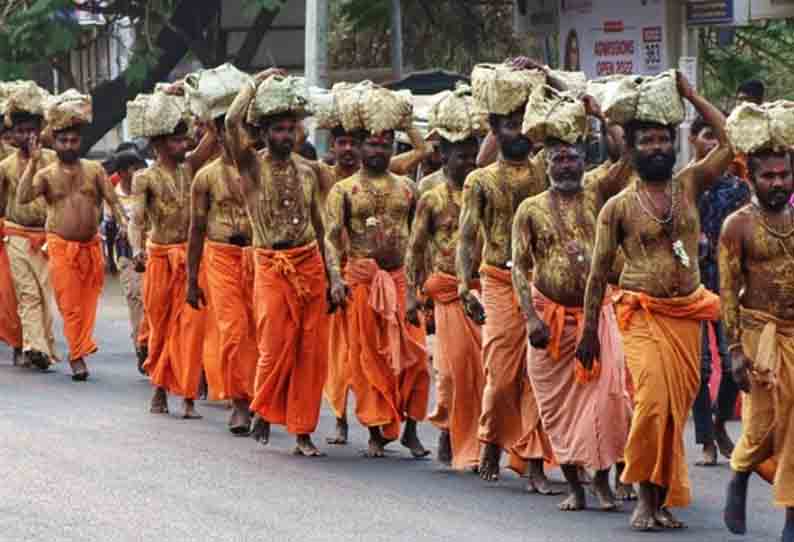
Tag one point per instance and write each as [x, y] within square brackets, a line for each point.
[36, 32]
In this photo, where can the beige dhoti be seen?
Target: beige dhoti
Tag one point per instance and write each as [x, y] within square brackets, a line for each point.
[132, 288]
[31, 277]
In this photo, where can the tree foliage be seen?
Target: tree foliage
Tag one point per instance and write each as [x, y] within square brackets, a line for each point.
[452, 34]
[762, 51]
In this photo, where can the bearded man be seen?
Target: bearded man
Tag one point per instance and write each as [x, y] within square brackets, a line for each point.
[655, 222]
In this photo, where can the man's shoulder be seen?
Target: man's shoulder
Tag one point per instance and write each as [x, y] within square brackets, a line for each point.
[538, 202]
[431, 181]
[92, 166]
[740, 218]
[146, 175]
[210, 169]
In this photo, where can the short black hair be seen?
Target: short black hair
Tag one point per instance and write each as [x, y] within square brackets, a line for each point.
[126, 146]
[448, 146]
[18, 117]
[73, 128]
[179, 129]
[339, 131]
[265, 122]
[308, 151]
[698, 125]
[127, 159]
[220, 122]
[753, 88]
[754, 159]
[632, 127]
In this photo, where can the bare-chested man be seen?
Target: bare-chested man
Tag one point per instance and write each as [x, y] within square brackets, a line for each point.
[346, 146]
[554, 233]
[374, 210]
[283, 199]
[220, 227]
[491, 195]
[176, 330]
[458, 360]
[655, 222]
[24, 228]
[74, 190]
[756, 261]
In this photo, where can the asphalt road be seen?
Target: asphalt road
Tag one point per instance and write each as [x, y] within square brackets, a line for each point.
[87, 462]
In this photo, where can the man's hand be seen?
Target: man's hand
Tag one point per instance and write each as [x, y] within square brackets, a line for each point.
[338, 293]
[589, 349]
[740, 369]
[139, 262]
[592, 108]
[684, 86]
[473, 308]
[412, 310]
[524, 63]
[270, 72]
[34, 149]
[195, 296]
[175, 89]
[539, 334]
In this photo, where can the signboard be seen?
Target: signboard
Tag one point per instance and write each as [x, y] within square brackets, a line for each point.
[709, 12]
[603, 37]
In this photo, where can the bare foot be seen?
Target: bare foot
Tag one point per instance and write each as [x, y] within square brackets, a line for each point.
[410, 440]
[240, 420]
[489, 462]
[584, 476]
[642, 519]
[340, 439]
[190, 410]
[623, 492]
[377, 444]
[603, 492]
[260, 430]
[538, 483]
[79, 370]
[305, 447]
[709, 455]
[142, 353]
[444, 453]
[576, 501]
[666, 519]
[159, 404]
[724, 442]
[41, 361]
[735, 513]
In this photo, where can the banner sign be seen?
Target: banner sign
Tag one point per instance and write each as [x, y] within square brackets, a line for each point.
[709, 12]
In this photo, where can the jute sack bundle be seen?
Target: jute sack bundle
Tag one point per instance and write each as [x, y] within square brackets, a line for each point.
[457, 116]
[501, 89]
[753, 127]
[341, 106]
[575, 81]
[210, 93]
[554, 114]
[383, 110]
[632, 97]
[152, 115]
[279, 94]
[68, 109]
[25, 97]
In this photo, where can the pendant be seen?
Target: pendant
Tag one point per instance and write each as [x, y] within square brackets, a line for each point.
[372, 222]
[680, 253]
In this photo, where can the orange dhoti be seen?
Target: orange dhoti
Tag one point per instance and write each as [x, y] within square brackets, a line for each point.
[77, 272]
[767, 441]
[293, 337]
[388, 362]
[662, 341]
[510, 418]
[10, 324]
[230, 343]
[337, 385]
[460, 378]
[584, 412]
[176, 330]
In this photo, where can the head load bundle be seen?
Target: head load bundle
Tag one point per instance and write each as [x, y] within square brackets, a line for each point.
[157, 114]
[627, 98]
[501, 89]
[456, 116]
[769, 126]
[24, 97]
[210, 93]
[551, 114]
[68, 110]
[279, 95]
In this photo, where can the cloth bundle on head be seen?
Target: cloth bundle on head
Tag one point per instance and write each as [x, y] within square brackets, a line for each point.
[68, 109]
[341, 106]
[554, 114]
[279, 94]
[501, 89]
[457, 116]
[626, 98]
[24, 97]
[575, 81]
[753, 127]
[210, 93]
[152, 115]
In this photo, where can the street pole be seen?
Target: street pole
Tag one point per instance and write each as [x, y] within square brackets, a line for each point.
[316, 59]
[396, 40]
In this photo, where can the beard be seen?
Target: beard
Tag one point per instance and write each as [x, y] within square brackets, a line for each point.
[68, 157]
[656, 167]
[516, 149]
[281, 148]
[775, 200]
[567, 182]
[378, 164]
[348, 159]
